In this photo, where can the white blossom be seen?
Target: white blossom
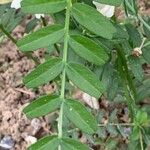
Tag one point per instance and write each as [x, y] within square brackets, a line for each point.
[106, 10]
[38, 16]
[17, 4]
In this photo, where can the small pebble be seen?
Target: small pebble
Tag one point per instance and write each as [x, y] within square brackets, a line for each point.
[127, 131]
[7, 142]
[30, 140]
[36, 124]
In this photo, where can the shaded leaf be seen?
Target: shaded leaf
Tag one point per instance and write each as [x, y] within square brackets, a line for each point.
[80, 116]
[91, 19]
[71, 144]
[49, 142]
[43, 6]
[143, 91]
[136, 67]
[85, 79]
[110, 2]
[88, 49]
[41, 38]
[44, 73]
[42, 106]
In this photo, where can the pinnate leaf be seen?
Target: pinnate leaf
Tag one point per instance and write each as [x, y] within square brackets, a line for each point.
[85, 79]
[80, 116]
[71, 144]
[88, 49]
[44, 73]
[41, 38]
[49, 142]
[43, 6]
[94, 21]
[110, 2]
[42, 106]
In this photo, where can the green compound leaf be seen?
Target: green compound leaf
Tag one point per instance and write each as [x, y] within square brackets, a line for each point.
[88, 49]
[44, 73]
[42, 6]
[41, 38]
[80, 116]
[110, 2]
[42, 106]
[46, 143]
[85, 79]
[94, 21]
[70, 144]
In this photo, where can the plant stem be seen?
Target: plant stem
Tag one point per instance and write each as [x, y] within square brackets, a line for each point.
[116, 124]
[65, 51]
[139, 17]
[141, 140]
[28, 54]
[129, 88]
[8, 34]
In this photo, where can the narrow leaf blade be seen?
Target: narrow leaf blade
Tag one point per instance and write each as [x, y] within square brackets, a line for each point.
[42, 106]
[41, 38]
[49, 142]
[80, 116]
[110, 2]
[88, 49]
[70, 144]
[85, 79]
[44, 73]
[43, 6]
[91, 19]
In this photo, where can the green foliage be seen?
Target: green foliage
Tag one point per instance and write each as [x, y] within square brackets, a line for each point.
[69, 144]
[95, 54]
[78, 114]
[43, 6]
[45, 143]
[91, 51]
[41, 38]
[42, 106]
[93, 20]
[44, 73]
[110, 2]
[85, 79]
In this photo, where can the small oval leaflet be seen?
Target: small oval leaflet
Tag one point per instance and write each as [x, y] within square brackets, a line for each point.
[41, 38]
[45, 143]
[88, 49]
[42, 106]
[85, 79]
[80, 116]
[71, 144]
[44, 73]
[94, 21]
[42, 6]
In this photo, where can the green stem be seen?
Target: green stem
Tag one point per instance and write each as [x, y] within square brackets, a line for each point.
[137, 15]
[116, 124]
[126, 71]
[8, 34]
[129, 88]
[28, 54]
[141, 141]
[144, 23]
[65, 51]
